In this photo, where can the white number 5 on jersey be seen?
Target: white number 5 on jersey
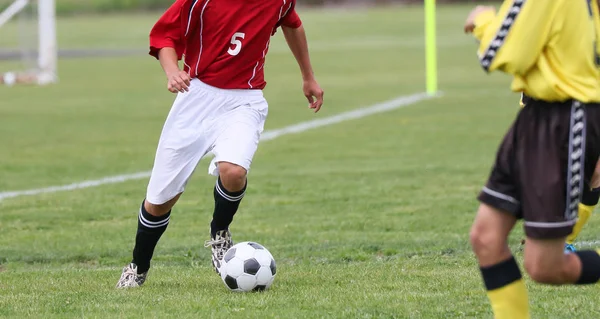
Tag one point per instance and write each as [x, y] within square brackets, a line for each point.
[237, 44]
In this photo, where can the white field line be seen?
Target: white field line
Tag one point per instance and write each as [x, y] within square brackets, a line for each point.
[386, 106]
[588, 244]
[372, 43]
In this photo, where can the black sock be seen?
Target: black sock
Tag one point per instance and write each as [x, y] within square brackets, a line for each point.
[226, 205]
[506, 289]
[501, 274]
[590, 267]
[150, 228]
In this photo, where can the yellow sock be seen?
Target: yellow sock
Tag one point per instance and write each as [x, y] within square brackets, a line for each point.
[510, 301]
[506, 290]
[585, 212]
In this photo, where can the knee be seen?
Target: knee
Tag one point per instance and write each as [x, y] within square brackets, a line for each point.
[545, 274]
[160, 209]
[232, 176]
[485, 242]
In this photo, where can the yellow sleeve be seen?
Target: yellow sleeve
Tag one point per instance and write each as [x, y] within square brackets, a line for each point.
[596, 15]
[512, 40]
[482, 22]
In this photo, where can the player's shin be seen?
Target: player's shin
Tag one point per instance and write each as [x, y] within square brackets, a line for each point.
[150, 229]
[226, 205]
[506, 290]
[590, 267]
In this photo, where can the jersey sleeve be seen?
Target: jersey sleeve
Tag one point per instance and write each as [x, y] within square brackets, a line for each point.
[512, 40]
[291, 19]
[167, 32]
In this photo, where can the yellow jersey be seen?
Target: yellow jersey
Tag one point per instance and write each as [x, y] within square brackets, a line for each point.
[548, 46]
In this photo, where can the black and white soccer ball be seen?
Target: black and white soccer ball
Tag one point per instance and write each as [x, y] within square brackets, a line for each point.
[248, 266]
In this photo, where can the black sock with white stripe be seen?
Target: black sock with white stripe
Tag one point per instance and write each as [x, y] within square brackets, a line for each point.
[150, 228]
[226, 205]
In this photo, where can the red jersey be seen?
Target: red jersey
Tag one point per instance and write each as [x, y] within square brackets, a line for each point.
[223, 42]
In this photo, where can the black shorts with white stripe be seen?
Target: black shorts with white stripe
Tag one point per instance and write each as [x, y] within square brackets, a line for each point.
[543, 162]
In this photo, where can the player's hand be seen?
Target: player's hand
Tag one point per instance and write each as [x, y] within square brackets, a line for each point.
[314, 94]
[178, 82]
[470, 23]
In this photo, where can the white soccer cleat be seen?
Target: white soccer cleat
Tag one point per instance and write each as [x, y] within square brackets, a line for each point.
[130, 277]
[219, 246]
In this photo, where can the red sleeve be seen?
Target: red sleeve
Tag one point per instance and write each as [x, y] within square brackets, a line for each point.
[166, 33]
[291, 18]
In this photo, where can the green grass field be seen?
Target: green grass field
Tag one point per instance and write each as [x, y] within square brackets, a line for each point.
[367, 219]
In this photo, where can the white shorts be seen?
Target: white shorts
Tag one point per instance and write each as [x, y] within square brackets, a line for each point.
[206, 119]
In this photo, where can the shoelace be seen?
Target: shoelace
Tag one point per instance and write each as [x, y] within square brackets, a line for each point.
[129, 276]
[213, 242]
[218, 244]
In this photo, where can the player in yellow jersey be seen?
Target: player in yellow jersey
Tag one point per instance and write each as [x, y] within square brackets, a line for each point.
[549, 152]
[589, 201]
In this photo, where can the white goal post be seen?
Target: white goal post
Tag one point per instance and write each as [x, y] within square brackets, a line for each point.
[45, 69]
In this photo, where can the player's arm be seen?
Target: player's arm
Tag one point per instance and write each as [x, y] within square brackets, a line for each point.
[295, 37]
[167, 45]
[178, 80]
[512, 39]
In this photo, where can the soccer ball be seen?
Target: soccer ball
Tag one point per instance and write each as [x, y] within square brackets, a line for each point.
[248, 266]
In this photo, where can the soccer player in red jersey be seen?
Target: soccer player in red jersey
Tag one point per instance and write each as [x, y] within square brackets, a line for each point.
[219, 108]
